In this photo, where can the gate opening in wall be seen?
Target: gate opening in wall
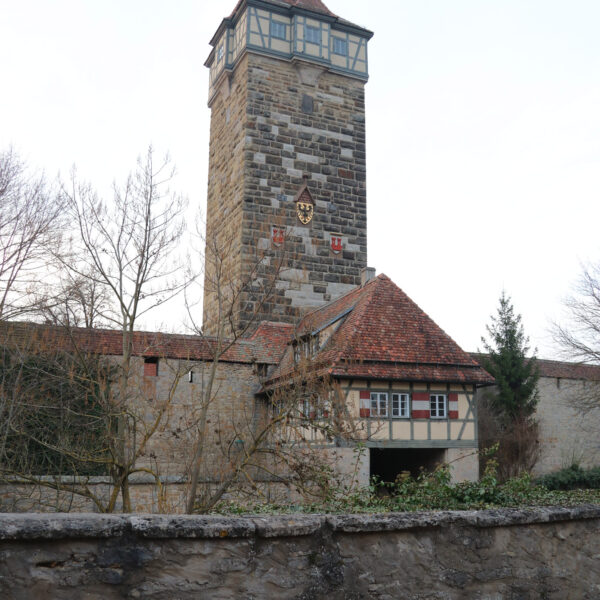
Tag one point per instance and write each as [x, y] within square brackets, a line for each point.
[388, 463]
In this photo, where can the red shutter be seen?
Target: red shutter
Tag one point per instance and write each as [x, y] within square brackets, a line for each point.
[420, 400]
[365, 404]
[453, 408]
[151, 369]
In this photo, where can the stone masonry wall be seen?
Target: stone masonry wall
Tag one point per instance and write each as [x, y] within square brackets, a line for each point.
[567, 435]
[304, 121]
[169, 450]
[271, 124]
[515, 554]
[223, 256]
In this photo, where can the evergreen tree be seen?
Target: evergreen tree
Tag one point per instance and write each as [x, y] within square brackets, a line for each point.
[516, 375]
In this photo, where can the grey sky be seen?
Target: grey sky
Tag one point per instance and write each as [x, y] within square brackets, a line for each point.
[483, 130]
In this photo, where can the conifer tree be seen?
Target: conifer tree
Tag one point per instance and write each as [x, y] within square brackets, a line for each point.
[516, 375]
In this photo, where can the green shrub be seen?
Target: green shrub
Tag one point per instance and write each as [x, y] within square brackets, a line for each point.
[434, 491]
[572, 478]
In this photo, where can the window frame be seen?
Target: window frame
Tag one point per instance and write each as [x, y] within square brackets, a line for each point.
[377, 397]
[434, 406]
[314, 31]
[343, 42]
[275, 32]
[402, 414]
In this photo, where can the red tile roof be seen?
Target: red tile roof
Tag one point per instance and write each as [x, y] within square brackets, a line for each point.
[565, 370]
[561, 370]
[265, 346]
[383, 334]
[271, 340]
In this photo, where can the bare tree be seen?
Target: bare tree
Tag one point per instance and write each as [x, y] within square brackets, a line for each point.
[241, 443]
[75, 300]
[579, 338]
[64, 412]
[31, 217]
[227, 287]
[128, 248]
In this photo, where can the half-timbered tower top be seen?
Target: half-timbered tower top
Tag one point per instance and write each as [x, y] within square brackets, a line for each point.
[296, 30]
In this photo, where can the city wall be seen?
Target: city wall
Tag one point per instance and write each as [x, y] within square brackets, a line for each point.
[549, 553]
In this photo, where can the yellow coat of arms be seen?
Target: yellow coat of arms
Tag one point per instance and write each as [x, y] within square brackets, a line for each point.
[305, 206]
[305, 212]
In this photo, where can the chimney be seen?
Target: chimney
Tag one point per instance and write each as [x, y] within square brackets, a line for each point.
[366, 275]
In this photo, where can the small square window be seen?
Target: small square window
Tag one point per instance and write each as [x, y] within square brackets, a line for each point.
[278, 30]
[379, 402]
[340, 46]
[438, 406]
[400, 404]
[313, 35]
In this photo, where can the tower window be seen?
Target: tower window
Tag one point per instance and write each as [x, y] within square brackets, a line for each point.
[313, 35]
[278, 30]
[340, 46]
[220, 53]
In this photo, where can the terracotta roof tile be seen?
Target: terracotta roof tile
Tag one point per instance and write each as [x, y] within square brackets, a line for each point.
[271, 340]
[148, 344]
[561, 369]
[384, 334]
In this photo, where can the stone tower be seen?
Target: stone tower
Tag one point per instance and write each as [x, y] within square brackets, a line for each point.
[287, 215]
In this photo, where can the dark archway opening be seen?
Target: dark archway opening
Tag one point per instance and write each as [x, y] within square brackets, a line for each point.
[388, 463]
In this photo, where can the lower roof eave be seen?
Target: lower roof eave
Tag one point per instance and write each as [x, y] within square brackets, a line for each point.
[478, 382]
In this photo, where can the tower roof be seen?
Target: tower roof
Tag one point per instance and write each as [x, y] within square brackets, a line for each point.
[314, 5]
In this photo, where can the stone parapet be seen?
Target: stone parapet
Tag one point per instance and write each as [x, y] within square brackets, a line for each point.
[508, 553]
[60, 526]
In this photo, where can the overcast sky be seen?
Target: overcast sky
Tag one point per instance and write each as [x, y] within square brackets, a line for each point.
[483, 131]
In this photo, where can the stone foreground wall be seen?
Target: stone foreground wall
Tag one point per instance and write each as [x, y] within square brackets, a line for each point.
[549, 553]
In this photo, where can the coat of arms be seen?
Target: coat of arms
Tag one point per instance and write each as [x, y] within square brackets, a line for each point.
[305, 206]
[277, 236]
[336, 244]
[305, 212]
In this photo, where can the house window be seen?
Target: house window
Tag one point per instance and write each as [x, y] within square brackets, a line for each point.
[340, 46]
[306, 348]
[278, 30]
[400, 404]
[305, 408]
[438, 406]
[220, 53]
[379, 404]
[313, 35]
[151, 366]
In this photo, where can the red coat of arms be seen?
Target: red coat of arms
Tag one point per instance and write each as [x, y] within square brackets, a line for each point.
[336, 244]
[277, 236]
